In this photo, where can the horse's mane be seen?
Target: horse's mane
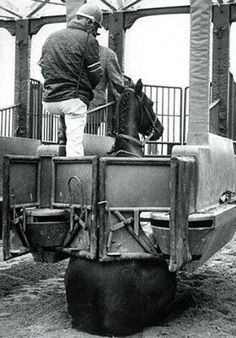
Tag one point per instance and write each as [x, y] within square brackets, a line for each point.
[123, 107]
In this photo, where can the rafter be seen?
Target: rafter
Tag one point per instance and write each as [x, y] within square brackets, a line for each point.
[10, 11]
[109, 5]
[132, 3]
[120, 4]
[50, 3]
[6, 17]
[44, 3]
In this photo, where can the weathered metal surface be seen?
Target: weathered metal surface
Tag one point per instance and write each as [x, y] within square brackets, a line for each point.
[46, 183]
[22, 76]
[208, 232]
[224, 229]
[16, 146]
[182, 203]
[127, 188]
[136, 182]
[199, 226]
[19, 187]
[117, 35]
[108, 202]
[46, 227]
[220, 74]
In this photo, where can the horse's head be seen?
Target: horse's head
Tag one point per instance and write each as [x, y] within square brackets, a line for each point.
[148, 123]
[135, 116]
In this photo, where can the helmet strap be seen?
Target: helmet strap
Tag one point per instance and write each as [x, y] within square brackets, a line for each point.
[90, 26]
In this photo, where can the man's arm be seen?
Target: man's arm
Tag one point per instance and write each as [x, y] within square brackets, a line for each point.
[114, 73]
[93, 62]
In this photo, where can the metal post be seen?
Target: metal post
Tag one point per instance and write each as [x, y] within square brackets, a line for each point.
[116, 42]
[117, 35]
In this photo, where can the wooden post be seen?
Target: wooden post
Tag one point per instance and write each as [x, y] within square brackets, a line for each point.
[199, 87]
[220, 78]
[117, 35]
[116, 42]
[22, 76]
[182, 203]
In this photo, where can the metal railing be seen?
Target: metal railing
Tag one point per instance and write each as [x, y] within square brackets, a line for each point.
[98, 120]
[7, 120]
[35, 118]
[168, 106]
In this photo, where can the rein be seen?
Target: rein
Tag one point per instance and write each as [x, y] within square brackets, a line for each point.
[143, 109]
[131, 138]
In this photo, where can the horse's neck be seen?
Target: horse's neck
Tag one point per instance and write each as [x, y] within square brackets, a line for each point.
[128, 122]
[127, 125]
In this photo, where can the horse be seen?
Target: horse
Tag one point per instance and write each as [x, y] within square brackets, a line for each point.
[122, 297]
[135, 116]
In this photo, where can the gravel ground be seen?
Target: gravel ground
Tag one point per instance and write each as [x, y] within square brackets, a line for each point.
[33, 304]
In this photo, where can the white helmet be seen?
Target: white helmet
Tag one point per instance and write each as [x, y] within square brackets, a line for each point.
[91, 11]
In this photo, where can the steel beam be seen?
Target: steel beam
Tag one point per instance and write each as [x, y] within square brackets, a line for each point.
[117, 35]
[131, 16]
[38, 23]
[9, 25]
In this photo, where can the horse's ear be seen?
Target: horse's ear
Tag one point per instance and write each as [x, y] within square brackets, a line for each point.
[139, 87]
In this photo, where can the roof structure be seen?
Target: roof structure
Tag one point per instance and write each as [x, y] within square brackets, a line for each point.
[11, 9]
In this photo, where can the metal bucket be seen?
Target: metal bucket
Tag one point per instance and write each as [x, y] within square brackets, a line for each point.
[47, 227]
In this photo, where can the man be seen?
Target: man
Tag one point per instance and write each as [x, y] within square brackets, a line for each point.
[112, 76]
[71, 67]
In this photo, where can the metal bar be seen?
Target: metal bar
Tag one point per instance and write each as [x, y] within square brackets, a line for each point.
[38, 8]
[109, 5]
[10, 11]
[50, 3]
[132, 3]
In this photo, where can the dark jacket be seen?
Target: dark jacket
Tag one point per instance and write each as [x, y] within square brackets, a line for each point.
[61, 61]
[112, 76]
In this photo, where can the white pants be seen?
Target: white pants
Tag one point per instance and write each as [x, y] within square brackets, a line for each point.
[75, 112]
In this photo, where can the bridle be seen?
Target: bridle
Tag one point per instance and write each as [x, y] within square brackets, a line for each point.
[143, 109]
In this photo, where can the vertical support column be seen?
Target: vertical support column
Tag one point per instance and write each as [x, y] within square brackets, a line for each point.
[117, 35]
[71, 7]
[46, 179]
[220, 78]
[200, 14]
[22, 77]
[116, 42]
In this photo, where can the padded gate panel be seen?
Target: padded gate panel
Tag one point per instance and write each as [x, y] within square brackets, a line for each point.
[20, 190]
[137, 182]
[23, 180]
[129, 187]
[85, 169]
